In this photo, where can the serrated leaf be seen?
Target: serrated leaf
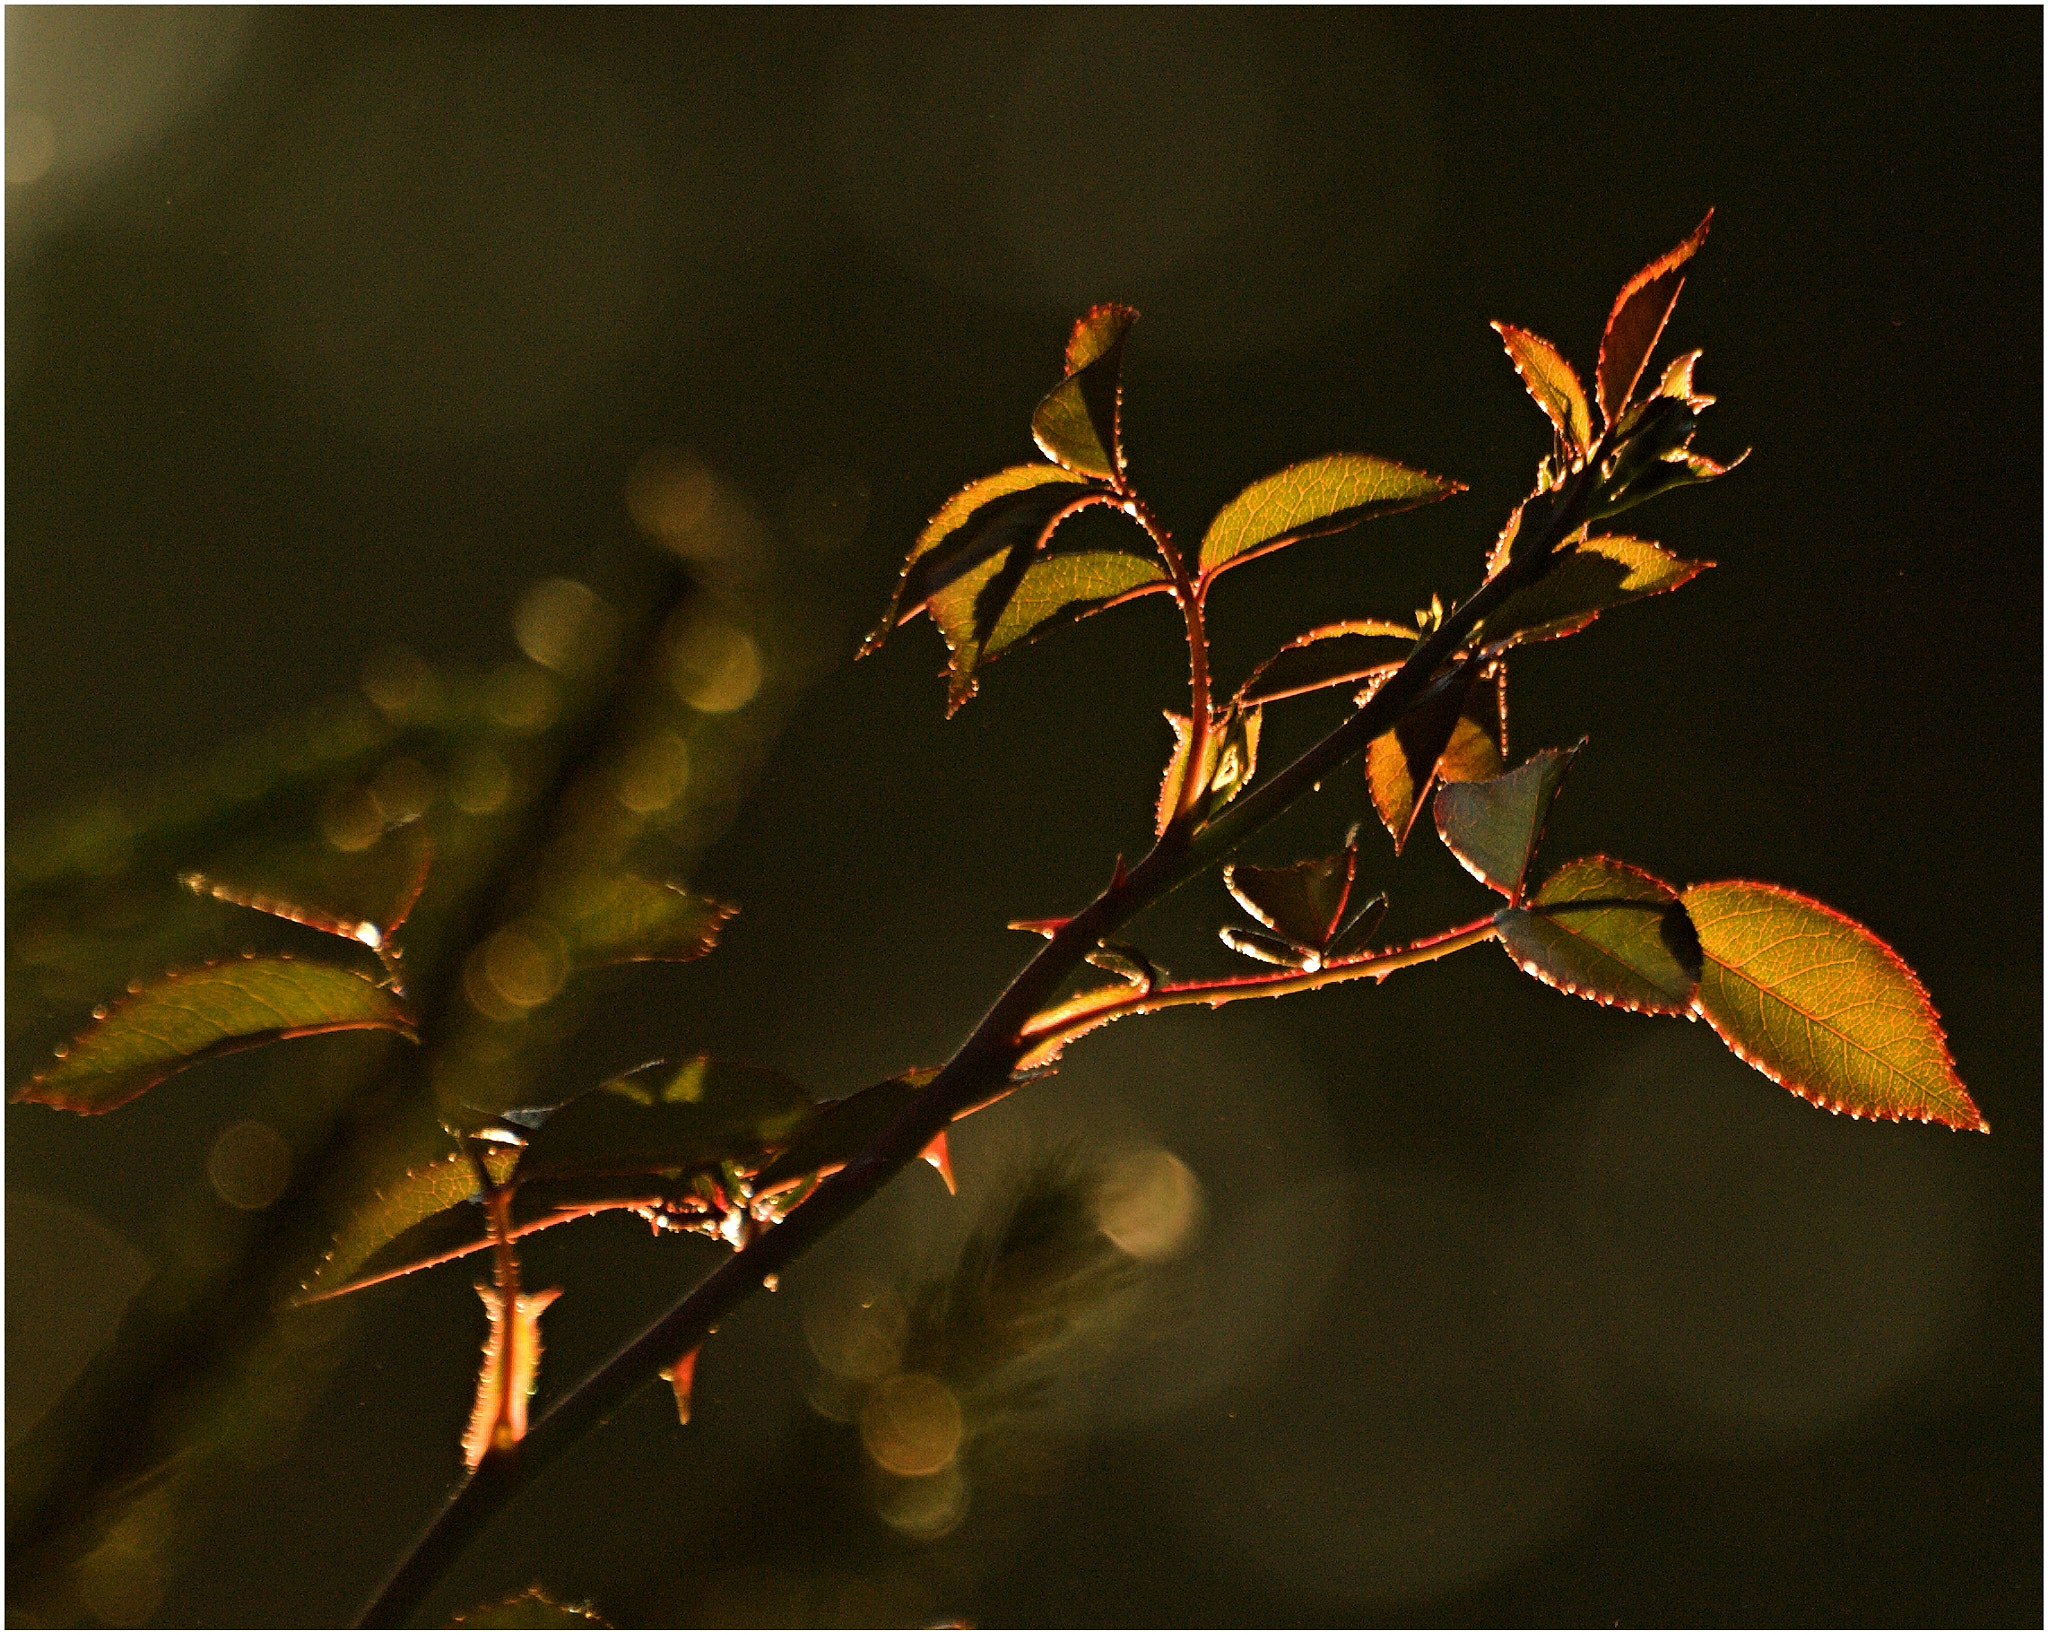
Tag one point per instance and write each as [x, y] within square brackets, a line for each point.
[1637, 320]
[190, 1016]
[1492, 826]
[1303, 901]
[1608, 932]
[1595, 575]
[622, 917]
[1452, 734]
[420, 1195]
[842, 1130]
[1077, 423]
[1553, 383]
[1315, 497]
[1358, 930]
[364, 896]
[707, 1114]
[1021, 593]
[530, 1609]
[1333, 655]
[985, 518]
[1821, 1005]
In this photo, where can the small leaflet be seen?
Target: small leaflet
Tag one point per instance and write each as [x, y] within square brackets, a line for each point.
[1493, 826]
[1637, 320]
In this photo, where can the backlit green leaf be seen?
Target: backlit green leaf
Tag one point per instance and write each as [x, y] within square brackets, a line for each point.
[1553, 383]
[1021, 593]
[842, 1130]
[984, 519]
[709, 1113]
[1315, 497]
[392, 1212]
[1608, 932]
[1453, 735]
[191, 1015]
[1593, 576]
[1303, 901]
[1334, 655]
[1637, 319]
[623, 917]
[1077, 422]
[1817, 1003]
[1492, 826]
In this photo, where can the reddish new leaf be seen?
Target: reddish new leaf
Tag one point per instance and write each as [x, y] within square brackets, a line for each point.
[1315, 497]
[1819, 1004]
[189, 1016]
[1638, 318]
[1554, 384]
[1492, 826]
[1077, 424]
[1608, 932]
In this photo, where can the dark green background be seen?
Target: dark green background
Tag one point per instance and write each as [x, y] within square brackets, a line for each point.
[1584, 1323]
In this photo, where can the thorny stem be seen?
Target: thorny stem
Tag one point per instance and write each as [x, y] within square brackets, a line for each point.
[1188, 594]
[1053, 1031]
[981, 1065]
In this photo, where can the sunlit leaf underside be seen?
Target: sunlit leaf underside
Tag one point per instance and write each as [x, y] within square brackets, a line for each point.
[1315, 497]
[1608, 932]
[1820, 1005]
[189, 1016]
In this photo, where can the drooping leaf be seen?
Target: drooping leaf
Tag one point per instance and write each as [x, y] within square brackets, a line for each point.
[1021, 592]
[707, 1114]
[1636, 321]
[1333, 655]
[1819, 1004]
[189, 1016]
[530, 1609]
[617, 918]
[510, 1372]
[1553, 383]
[1595, 575]
[1492, 826]
[1303, 901]
[1608, 932]
[985, 518]
[1315, 497]
[1077, 424]
[842, 1130]
[1453, 734]
[1357, 931]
